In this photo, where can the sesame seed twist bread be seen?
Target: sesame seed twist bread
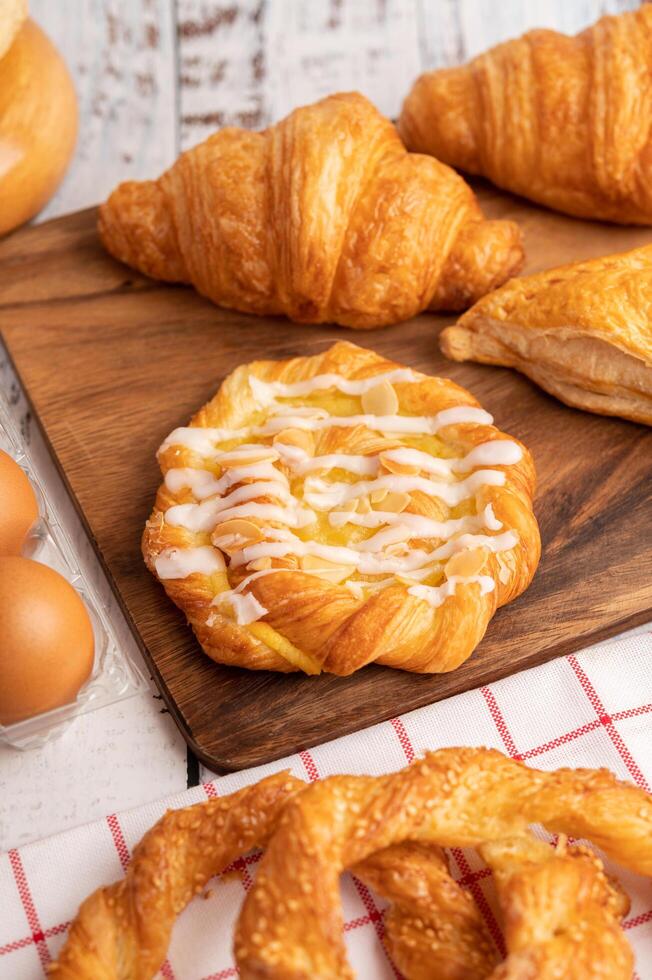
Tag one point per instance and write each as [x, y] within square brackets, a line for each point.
[433, 930]
[290, 926]
[564, 121]
[322, 217]
[122, 931]
[560, 910]
[561, 914]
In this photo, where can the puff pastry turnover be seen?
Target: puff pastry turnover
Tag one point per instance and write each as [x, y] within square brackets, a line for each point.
[565, 121]
[583, 332]
[325, 512]
[323, 217]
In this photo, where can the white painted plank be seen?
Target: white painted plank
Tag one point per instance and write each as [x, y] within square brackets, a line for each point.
[249, 64]
[122, 55]
[221, 71]
[315, 47]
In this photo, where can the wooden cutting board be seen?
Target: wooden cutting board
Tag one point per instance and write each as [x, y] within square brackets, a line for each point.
[112, 362]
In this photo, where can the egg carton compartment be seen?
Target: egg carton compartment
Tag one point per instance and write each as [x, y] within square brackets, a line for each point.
[115, 676]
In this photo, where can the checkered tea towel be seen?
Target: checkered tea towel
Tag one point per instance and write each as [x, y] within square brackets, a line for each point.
[591, 709]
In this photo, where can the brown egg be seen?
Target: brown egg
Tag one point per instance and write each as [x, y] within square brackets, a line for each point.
[46, 640]
[18, 506]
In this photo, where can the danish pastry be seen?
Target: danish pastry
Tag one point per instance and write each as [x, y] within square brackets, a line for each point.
[325, 512]
[583, 332]
[561, 914]
[564, 121]
[323, 217]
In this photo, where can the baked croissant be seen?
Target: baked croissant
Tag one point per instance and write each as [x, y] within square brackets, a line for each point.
[323, 217]
[564, 121]
[583, 332]
[325, 512]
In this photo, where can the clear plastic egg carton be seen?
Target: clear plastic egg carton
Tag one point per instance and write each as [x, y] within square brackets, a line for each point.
[114, 676]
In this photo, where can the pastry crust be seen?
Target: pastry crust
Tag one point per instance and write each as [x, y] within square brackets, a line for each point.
[323, 217]
[583, 332]
[564, 121]
[299, 542]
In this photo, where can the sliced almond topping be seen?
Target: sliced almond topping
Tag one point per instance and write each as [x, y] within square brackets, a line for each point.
[364, 505]
[466, 563]
[396, 549]
[350, 506]
[327, 570]
[266, 454]
[396, 502]
[377, 496]
[399, 469]
[236, 534]
[296, 437]
[288, 561]
[260, 564]
[380, 400]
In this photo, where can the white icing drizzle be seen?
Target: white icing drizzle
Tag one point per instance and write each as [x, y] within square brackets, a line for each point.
[435, 595]
[246, 478]
[203, 440]
[182, 562]
[323, 496]
[265, 392]
[245, 608]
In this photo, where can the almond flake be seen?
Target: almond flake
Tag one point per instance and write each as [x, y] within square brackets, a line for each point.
[467, 563]
[260, 564]
[327, 570]
[395, 502]
[364, 505]
[377, 496]
[301, 438]
[399, 469]
[266, 454]
[380, 400]
[236, 534]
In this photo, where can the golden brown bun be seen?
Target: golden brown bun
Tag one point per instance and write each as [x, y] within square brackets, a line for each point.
[583, 332]
[323, 217]
[313, 621]
[38, 125]
[564, 121]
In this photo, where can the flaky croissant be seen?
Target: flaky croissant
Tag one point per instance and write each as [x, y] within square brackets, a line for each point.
[323, 217]
[565, 121]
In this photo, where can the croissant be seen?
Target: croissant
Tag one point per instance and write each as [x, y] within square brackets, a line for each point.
[564, 121]
[583, 332]
[325, 512]
[561, 914]
[323, 217]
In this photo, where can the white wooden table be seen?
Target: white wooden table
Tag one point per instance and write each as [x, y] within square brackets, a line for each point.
[155, 77]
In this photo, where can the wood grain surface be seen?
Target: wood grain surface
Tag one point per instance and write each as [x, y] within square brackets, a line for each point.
[113, 361]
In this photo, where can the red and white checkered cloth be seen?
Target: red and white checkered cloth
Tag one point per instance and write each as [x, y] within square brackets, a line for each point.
[592, 709]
